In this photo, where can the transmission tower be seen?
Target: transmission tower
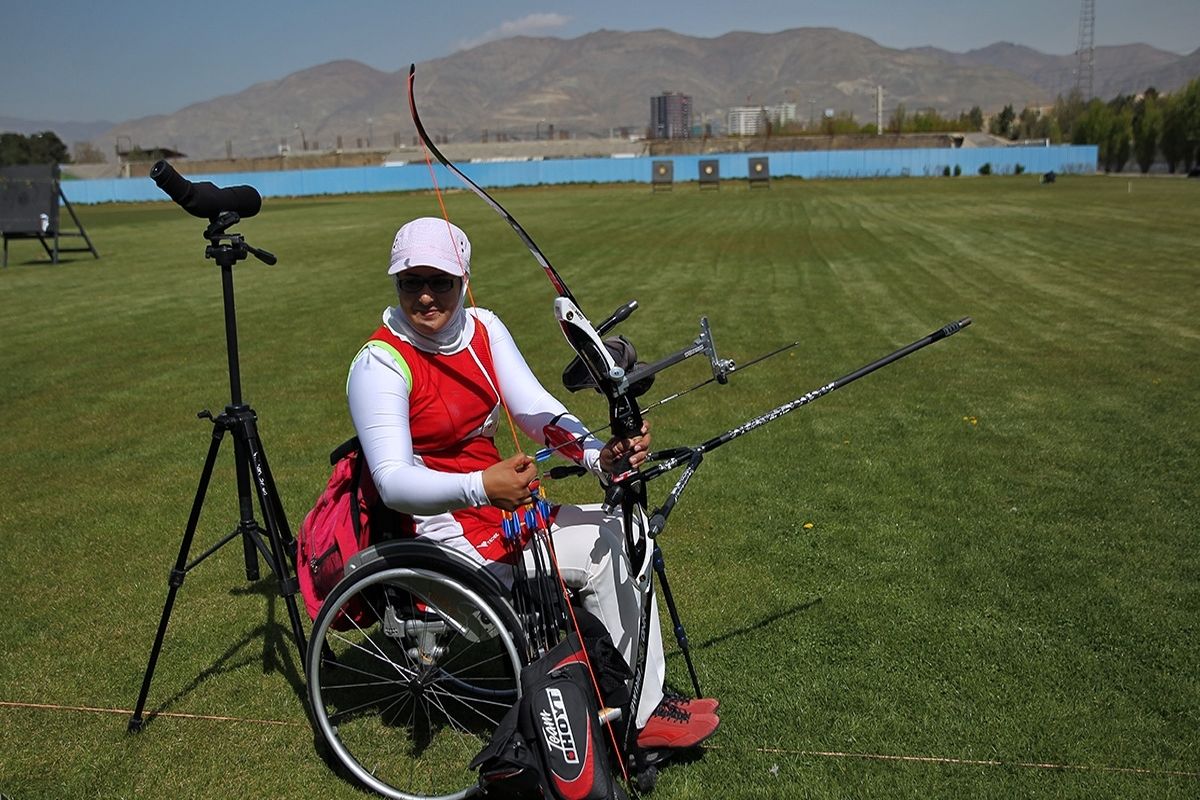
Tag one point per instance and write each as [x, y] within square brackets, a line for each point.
[1086, 53]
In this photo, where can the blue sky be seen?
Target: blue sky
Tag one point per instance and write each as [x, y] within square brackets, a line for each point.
[80, 60]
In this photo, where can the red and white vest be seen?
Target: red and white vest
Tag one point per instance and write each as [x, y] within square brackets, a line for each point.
[450, 401]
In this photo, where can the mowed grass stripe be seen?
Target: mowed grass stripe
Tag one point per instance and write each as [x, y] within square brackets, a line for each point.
[1000, 564]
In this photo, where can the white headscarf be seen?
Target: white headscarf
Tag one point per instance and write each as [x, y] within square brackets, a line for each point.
[451, 339]
[438, 243]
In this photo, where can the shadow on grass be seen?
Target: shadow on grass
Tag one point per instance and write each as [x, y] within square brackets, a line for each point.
[749, 629]
[44, 261]
[277, 652]
[277, 634]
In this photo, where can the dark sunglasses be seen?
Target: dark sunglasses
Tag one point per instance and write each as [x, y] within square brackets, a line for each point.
[438, 284]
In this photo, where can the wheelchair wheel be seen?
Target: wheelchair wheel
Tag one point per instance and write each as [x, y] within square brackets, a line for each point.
[410, 669]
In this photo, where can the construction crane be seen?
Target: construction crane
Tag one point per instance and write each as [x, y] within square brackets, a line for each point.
[1085, 54]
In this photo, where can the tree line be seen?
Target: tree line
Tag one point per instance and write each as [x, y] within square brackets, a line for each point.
[1140, 127]
[36, 148]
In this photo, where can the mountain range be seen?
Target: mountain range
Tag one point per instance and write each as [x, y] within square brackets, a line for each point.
[67, 131]
[601, 83]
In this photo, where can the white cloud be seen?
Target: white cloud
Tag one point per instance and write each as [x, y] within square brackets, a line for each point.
[528, 25]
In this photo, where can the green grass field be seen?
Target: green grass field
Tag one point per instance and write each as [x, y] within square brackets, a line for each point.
[972, 574]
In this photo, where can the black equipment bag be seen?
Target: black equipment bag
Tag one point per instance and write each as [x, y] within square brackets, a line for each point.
[551, 744]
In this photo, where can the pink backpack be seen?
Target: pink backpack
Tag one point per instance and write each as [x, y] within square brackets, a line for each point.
[335, 529]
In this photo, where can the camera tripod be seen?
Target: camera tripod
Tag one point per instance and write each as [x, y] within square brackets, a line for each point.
[273, 540]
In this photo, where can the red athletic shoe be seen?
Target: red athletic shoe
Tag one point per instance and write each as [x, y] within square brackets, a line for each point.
[695, 705]
[673, 727]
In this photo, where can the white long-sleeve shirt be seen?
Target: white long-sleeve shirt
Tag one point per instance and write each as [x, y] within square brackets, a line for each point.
[378, 393]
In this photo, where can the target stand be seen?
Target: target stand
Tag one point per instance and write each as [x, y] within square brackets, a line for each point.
[759, 173]
[662, 176]
[30, 198]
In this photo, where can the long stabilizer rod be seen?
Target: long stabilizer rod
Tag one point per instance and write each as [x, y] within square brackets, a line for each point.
[674, 460]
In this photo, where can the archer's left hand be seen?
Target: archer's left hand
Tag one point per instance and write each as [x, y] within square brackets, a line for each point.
[618, 448]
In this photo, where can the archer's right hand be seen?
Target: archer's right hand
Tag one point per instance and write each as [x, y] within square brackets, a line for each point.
[507, 482]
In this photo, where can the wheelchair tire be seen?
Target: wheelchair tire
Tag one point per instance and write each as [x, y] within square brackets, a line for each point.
[409, 694]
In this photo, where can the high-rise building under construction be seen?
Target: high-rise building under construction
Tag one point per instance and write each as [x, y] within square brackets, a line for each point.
[671, 116]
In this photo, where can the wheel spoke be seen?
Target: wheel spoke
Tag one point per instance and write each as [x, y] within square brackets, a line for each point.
[363, 633]
[373, 701]
[406, 673]
[454, 723]
[407, 696]
[439, 692]
[488, 660]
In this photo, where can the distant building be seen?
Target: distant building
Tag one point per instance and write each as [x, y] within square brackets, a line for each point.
[746, 121]
[149, 154]
[754, 120]
[671, 116]
[782, 114]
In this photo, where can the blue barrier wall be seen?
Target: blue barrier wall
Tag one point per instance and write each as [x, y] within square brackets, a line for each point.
[811, 164]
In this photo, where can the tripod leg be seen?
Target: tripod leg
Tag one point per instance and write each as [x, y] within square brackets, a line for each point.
[285, 532]
[680, 633]
[177, 575]
[247, 524]
[274, 522]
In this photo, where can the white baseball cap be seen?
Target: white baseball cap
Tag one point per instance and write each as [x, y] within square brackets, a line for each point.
[431, 242]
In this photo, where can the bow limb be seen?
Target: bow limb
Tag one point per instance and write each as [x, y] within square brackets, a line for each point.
[559, 285]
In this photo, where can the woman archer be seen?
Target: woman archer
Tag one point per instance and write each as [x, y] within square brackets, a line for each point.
[426, 394]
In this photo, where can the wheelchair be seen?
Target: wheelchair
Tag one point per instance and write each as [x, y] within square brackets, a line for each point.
[414, 657]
